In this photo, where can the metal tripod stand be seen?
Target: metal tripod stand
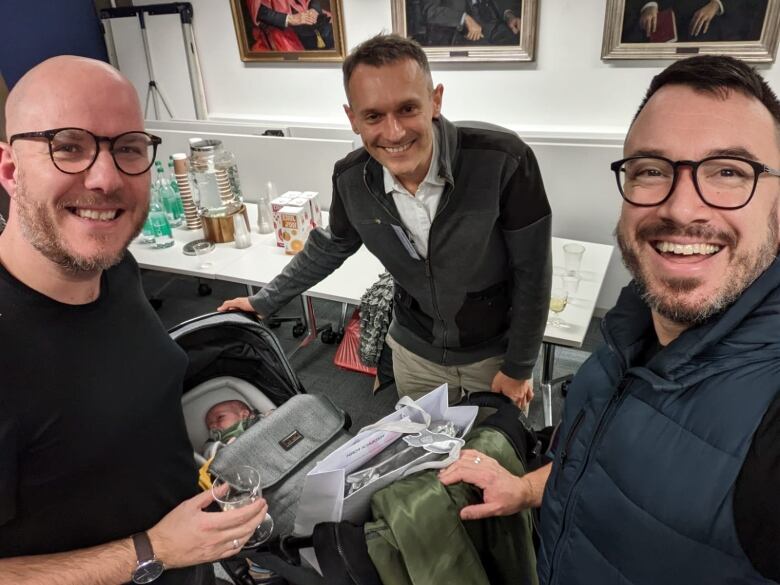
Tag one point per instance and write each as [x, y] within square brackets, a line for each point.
[153, 92]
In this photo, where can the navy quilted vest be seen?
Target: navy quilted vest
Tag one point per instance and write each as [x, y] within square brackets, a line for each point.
[643, 481]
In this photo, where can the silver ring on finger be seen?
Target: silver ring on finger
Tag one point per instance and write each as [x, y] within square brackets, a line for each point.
[236, 543]
[477, 459]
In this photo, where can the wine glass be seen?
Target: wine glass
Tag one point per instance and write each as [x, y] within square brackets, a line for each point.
[558, 299]
[238, 487]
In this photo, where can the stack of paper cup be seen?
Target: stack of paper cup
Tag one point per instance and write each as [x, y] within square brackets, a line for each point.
[191, 217]
[223, 184]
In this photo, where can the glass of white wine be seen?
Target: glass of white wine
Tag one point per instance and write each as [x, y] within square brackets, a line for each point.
[239, 487]
[559, 298]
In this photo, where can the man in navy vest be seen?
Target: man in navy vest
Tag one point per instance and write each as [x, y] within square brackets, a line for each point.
[666, 467]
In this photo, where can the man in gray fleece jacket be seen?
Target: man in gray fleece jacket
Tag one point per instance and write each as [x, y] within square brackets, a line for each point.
[457, 215]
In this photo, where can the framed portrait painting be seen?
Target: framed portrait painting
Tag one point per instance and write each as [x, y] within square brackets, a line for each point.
[469, 30]
[673, 29]
[289, 30]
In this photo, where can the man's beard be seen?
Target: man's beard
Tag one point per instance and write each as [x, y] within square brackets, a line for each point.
[40, 230]
[665, 296]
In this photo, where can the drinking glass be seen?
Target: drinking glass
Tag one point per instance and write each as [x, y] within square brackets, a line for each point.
[271, 190]
[201, 249]
[238, 487]
[558, 300]
[572, 258]
[265, 220]
[571, 283]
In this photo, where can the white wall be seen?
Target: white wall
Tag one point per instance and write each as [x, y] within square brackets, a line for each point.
[569, 105]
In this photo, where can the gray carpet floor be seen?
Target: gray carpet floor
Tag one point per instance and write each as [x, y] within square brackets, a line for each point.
[314, 364]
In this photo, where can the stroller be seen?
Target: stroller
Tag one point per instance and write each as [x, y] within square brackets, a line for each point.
[235, 356]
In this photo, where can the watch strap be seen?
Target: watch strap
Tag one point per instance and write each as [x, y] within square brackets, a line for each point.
[143, 547]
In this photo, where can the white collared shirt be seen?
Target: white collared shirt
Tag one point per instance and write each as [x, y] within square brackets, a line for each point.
[417, 211]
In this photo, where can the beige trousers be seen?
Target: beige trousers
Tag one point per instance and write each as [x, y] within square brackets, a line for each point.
[416, 376]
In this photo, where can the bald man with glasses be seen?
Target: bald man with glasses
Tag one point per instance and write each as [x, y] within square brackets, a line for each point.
[666, 467]
[98, 481]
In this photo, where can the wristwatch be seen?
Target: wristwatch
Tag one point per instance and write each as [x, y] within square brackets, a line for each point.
[149, 567]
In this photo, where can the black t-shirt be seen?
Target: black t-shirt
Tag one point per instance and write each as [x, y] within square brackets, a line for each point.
[757, 490]
[93, 445]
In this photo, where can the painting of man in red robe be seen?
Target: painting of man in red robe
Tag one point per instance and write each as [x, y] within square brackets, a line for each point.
[290, 25]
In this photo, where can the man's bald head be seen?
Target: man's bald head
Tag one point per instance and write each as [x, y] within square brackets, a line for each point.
[52, 219]
[46, 95]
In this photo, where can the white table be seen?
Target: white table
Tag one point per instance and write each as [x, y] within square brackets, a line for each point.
[257, 265]
[578, 312]
[260, 263]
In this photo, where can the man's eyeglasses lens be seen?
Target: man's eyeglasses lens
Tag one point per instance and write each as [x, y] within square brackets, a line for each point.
[721, 182]
[73, 150]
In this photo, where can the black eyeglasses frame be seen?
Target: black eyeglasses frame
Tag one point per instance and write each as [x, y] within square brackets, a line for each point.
[49, 136]
[758, 169]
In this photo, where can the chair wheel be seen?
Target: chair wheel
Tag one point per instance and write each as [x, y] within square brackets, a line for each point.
[298, 330]
[329, 336]
[204, 290]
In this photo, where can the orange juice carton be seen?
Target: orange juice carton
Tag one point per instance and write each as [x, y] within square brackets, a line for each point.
[316, 208]
[305, 203]
[295, 228]
[276, 206]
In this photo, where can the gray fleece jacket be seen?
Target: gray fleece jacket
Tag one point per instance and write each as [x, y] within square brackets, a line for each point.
[484, 288]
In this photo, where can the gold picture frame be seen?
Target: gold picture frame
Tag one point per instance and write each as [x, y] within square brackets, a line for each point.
[267, 36]
[440, 28]
[746, 29]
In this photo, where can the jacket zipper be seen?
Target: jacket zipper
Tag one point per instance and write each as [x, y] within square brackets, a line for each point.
[444, 200]
[614, 401]
[340, 550]
[569, 438]
[428, 271]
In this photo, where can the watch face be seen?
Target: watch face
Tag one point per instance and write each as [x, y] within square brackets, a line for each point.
[148, 571]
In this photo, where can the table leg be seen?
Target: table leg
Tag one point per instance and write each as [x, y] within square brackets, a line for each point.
[343, 321]
[310, 320]
[546, 383]
[249, 290]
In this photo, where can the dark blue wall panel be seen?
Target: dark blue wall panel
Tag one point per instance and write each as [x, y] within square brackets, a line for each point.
[31, 31]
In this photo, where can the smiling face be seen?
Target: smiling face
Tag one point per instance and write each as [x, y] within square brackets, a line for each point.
[81, 222]
[692, 260]
[392, 107]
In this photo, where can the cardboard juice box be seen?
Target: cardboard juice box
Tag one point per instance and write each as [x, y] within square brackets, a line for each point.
[316, 208]
[304, 203]
[294, 228]
[276, 205]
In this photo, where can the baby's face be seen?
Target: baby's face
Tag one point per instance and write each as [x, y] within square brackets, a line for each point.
[226, 414]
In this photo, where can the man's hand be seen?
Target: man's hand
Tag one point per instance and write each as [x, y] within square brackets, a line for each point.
[299, 18]
[237, 304]
[648, 20]
[189, 536]
[310, 16]
[473, 29]
[700, 23]
[503, 494]
[514, 24]
[521, 392]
